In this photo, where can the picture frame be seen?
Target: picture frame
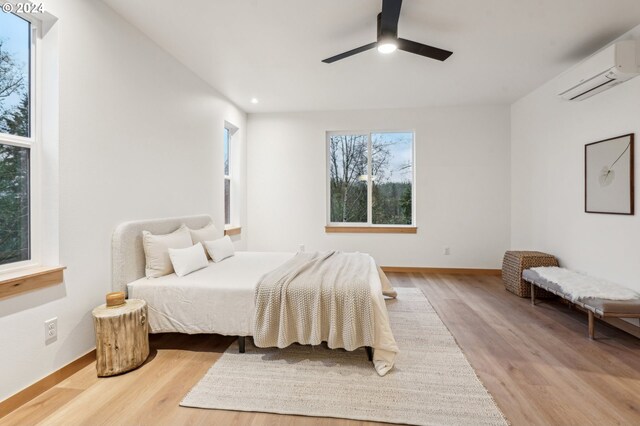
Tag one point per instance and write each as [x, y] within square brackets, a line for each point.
[609, 176]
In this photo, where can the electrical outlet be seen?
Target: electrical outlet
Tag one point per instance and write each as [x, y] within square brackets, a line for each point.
[51, 330]
[446, 251]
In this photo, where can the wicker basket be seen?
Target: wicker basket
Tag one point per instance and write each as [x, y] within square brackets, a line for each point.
[515, 262]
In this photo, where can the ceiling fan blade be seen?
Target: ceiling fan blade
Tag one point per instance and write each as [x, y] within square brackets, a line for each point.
[350, 52]
[390, 17]
[423, 49]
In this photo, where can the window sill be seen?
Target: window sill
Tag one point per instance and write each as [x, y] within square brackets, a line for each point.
[29, 279]
[371, 229]
[233, 231]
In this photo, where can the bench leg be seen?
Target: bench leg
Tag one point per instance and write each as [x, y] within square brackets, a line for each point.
[533, 294]
[369, 350]
[592, 325]
[241, 344]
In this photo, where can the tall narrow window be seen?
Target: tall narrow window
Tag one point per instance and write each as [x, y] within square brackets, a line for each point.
[16, 138]
[392, 181]
[227, 178]
[371, 178]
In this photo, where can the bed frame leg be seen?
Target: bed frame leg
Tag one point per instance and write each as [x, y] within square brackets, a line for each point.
[241, 344]
[369, 350]
[592, 325]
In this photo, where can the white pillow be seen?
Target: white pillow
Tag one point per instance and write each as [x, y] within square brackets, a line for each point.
[156, 250]
[207, 233]
[220, 249]
[188, 260]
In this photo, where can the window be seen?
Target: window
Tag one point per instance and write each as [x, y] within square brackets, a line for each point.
[232, 179]
[371, 178]
[17, 138]
[227, 178]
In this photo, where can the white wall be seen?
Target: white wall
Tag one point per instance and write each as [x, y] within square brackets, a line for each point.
[547, 173]
[140, 137]
[462, 184]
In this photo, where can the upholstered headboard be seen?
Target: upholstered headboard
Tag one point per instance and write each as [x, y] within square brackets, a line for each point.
[127, 253]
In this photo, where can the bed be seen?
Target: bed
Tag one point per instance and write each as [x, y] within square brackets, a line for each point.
[221, 298]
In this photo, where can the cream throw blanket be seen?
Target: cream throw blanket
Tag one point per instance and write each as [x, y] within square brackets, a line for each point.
[325, 297]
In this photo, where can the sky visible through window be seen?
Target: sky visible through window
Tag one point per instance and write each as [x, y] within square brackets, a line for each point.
[226, 152]
[14, 36]
[401, 144]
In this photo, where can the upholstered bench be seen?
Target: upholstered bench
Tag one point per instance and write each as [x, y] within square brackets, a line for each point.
[596, 308]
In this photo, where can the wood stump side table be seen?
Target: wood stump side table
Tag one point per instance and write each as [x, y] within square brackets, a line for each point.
[122, 337]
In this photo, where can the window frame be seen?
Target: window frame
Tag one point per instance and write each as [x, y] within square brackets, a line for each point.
[369, 223]
[232, 177]
[227, 175]
[32, 143]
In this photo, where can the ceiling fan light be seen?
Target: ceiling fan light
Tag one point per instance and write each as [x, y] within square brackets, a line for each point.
[387, 47]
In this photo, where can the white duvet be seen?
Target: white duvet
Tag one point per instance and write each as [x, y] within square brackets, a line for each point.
[217, 299]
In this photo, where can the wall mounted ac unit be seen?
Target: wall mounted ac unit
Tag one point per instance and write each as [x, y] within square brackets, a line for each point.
[609, 67]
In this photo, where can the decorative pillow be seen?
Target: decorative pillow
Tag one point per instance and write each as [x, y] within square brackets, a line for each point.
[188, 260]
[220, 249]
[156, 250]
[207, 233]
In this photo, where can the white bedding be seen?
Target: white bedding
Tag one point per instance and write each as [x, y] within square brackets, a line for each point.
[217, 299]
[220, 299]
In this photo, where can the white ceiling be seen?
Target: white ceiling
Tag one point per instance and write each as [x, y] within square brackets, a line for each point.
[271, 49]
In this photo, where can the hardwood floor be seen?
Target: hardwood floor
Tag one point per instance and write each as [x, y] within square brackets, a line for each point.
[536, 362]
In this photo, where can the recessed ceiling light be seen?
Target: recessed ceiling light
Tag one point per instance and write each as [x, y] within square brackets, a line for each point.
[387, 47]
[254, 100]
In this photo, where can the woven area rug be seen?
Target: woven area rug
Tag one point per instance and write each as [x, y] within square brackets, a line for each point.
[431, 383]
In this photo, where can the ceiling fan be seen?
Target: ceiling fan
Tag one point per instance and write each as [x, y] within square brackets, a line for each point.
[388, 40]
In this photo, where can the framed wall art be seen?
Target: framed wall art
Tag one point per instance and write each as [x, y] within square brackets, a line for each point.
[608, 176]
